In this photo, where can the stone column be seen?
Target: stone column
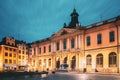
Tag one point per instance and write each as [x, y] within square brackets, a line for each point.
[51, 46]
[76, 42]
[77, 61]
[54, 46]
[105, 61]
[61, 45]
[47, 66]
[93, 63]
[68, 43]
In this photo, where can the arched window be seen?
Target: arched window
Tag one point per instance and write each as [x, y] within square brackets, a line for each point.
[112, 59]
[99, 60]
[49, 62]
[88, 59]
[65, 60]
[73, 63]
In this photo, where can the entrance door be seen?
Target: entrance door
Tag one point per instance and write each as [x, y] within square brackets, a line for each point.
[57, 64]
[73, 63]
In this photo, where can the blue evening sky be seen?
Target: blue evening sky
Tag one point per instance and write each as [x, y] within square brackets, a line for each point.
[32, 20]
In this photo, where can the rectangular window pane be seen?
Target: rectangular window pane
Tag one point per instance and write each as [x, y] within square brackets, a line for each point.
[111, 36]
[57, 45]
[72, 43]
[64, 44]
[88, 41]
[99, 39]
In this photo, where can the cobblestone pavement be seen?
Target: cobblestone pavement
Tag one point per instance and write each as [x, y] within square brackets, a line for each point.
[69, 76]
[78, 76]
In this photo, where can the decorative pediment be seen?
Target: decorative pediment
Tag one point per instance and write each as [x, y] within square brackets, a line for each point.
[63, 31]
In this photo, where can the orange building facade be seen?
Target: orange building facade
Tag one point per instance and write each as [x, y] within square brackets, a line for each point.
[93, 48]
[11, 59]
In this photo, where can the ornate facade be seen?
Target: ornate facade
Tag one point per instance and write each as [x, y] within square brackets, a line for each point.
[74, 48]
[79, 48]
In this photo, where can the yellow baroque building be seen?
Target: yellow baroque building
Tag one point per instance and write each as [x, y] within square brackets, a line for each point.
[93, 48]
[13, 55]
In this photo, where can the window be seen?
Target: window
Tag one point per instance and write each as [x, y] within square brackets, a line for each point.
[44, 49]
[58, 45]
[14, 50]
[6, 54]
[10, 61]
[65, 60]
[88, 41]
[6, 60]
[49, 48]
[112, 59]
[6, 48]
[40, 63]
[23, 52]
[19, 56]
[111, 36]
[10, 55]
[99, 39]
[49, 62]
[39, 50]
[10, 49]
[89, 59]
[14, 55]
[72, 43]
[19, 51]
[99, 60]
[14, 61]
[23, 57]
[64, 44]
[12, 44]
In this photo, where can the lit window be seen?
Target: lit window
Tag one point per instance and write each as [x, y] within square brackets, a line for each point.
[6, 60]
[112, 59]
[14, 61]
[10, 61]
[10, 55]
[6, 54]
[89, 59]
[49, 62]
[14, 55]
[99, 60]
